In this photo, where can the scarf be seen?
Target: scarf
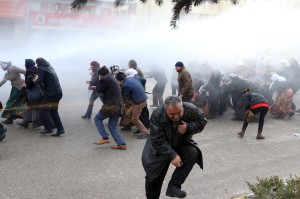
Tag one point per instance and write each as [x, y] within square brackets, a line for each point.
[5, 65]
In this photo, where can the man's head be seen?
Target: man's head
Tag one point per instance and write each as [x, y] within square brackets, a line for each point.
[120, 76]
[29, 63]
[132, 64]
[94, 66]
[103, 71]
[179, 66]
[40, 61]
[174, 108]
[115, 69]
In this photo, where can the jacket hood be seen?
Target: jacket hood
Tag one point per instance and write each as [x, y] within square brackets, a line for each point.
[42, 62]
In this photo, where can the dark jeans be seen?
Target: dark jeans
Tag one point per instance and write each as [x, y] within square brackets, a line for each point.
[188, 155]
[95, 95]
[158, 91]
[48, 112]
[262, 114]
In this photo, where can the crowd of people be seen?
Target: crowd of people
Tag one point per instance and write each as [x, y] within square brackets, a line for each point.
[195, 98]
[40, 75]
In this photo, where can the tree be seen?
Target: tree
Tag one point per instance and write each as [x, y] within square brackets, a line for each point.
[180, 6]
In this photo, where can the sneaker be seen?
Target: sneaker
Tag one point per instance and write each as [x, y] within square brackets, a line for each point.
[102, 141]
[85, 117]
[174, 191]
[142, 136]
[122, 147]
[23, 124]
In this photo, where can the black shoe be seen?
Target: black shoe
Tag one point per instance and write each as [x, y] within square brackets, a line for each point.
[291, 114]
[137, 132]
[85, 117]
[58, 133]
[44, 132]
[280, 116]
[23, 124]
[3, 135]
[126, 128]
[142, 136]
[174, 191]
[237, 119]
[7, 121]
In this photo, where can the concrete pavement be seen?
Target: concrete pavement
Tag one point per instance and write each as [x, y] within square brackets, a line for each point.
[72, 167]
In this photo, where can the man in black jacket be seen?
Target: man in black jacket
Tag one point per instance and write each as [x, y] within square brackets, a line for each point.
[171, 129]
[48, 79]
[111, 108]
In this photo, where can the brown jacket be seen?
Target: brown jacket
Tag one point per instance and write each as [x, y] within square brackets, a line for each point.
[185, 83]
[13, 74]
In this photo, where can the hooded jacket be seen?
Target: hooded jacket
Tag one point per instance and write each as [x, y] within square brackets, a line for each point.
[48, 79]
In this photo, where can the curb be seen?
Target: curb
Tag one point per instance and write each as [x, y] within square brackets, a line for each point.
[247, 196]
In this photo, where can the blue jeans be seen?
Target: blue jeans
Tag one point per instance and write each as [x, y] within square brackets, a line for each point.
[93, 97]
[112, 126]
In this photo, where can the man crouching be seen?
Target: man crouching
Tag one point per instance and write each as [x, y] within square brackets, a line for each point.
[171, 129]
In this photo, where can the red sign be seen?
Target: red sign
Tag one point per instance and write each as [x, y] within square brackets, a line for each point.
[13, 9]
[64, 20]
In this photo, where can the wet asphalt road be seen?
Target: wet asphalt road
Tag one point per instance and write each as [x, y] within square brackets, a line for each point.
[72, 167]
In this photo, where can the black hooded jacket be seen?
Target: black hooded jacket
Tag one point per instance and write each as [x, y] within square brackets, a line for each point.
[48, 79]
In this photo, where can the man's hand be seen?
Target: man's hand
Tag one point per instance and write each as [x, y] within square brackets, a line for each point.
[177, 161]
[182, 127]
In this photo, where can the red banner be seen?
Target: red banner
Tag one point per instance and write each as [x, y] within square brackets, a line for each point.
[13, 9]
[63, 20]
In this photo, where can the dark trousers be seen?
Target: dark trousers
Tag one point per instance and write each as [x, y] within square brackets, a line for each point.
[48, 112]
[188, 155]
[95, 95]
[213, 100]
[262, 114]
[158, 92]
